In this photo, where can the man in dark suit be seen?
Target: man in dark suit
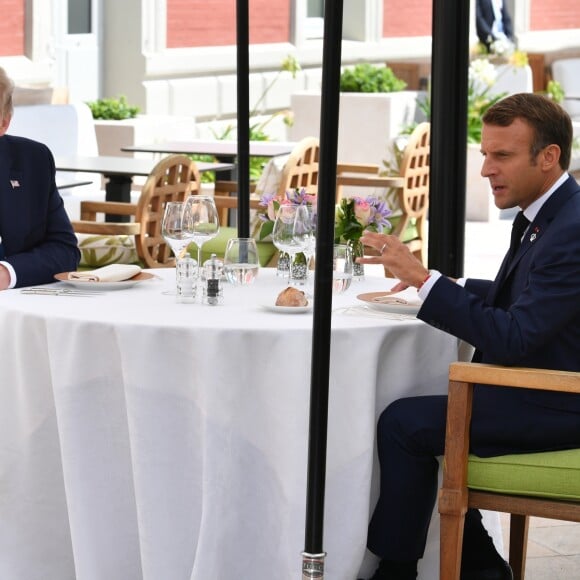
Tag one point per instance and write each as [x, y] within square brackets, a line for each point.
[493, 22]
[528, 316]
[36, 237]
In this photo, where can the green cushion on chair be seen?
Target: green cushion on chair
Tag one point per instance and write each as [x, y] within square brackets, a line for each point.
[217, 246]
[97, 251]
[410, 232]
[535, 474]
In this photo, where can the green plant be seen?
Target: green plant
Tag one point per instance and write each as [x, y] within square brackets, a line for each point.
[555, 91]
[113, 109]
[367, 78]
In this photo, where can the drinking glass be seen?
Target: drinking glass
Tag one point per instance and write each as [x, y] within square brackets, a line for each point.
[241, 264]
[342, 266]
[200, 221]
[289, 233]
[172, 228]
[173, 233]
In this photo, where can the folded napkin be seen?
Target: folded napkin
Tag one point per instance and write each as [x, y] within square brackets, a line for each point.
[408, 296]
[110, 273]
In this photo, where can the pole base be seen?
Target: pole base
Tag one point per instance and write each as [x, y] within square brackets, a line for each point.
[313, 566]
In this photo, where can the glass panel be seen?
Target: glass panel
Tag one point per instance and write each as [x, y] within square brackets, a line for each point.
[79, 16]
[315, 8]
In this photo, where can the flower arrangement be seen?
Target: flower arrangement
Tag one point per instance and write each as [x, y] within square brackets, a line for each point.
[354, 215]
[271, 204]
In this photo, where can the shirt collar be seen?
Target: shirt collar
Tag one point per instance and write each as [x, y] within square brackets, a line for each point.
[533, 209]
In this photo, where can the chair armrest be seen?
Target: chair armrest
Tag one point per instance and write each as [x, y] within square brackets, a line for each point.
[396, 182]
[106, 228]
[225, 201]
[517, 377]
[90, 209]
[230, 187]
[370, 168]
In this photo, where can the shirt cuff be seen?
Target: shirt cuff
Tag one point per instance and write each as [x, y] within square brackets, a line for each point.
[11, 273]
[434, 275]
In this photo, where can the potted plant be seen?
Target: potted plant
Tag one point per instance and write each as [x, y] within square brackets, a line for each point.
[374, 109]
[118, 124]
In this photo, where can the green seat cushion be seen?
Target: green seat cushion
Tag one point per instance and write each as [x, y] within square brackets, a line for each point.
[409, 233]
[553, 474]
[217, 246]
[97, 251]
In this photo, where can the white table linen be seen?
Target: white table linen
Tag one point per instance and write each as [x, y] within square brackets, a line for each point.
[145, 439]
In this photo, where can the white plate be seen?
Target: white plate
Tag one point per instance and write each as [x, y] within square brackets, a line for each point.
[287, 309]
[92, 285]
[409, 308]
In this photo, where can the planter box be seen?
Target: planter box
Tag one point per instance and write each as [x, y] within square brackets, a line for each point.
[479, 204]
[368, 122]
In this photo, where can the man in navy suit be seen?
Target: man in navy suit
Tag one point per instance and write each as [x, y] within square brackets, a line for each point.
[493, 22]
[528, 316]
[36, 237]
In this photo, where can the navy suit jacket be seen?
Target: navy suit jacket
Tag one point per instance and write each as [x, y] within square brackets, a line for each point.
[530, 315]
[484, 18]
[37, 236]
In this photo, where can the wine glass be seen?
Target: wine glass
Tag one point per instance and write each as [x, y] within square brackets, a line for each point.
[172, 228]
[290, 231]
[241, 263]
[200, 221]
[173, 233]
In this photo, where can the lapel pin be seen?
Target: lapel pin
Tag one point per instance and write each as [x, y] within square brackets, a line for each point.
[14, 183]
[535, 234]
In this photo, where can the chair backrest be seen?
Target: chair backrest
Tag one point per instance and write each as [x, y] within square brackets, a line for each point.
[301, 168]
[415, 171]
[173, 179]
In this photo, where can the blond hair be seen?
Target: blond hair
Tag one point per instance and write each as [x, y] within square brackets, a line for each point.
[6, 90]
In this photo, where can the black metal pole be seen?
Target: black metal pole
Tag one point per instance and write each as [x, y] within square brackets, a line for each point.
[243, 101]
[449, 65]
[313, 557]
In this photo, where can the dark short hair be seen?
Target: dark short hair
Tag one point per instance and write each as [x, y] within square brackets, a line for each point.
[550, 122]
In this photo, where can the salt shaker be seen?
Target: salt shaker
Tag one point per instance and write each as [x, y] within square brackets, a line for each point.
[213, 292]
[186, 279]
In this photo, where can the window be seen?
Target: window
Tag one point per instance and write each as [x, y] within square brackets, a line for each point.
[79, 17]
[315, 19]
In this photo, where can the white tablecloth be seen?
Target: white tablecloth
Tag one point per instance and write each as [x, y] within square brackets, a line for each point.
[144, 439]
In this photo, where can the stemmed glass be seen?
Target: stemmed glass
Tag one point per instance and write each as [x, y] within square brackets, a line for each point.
[173, 232]
[200, 221]
[291, 231]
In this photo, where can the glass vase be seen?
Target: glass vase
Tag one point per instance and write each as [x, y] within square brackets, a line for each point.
[358, 250]
[283, 266]
[299, 269]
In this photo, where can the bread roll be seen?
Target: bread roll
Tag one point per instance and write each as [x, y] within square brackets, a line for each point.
[291, 297]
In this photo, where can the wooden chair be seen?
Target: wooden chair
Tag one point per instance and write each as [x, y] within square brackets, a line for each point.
[412, 185]
[172, 179]
[539, 484]
[300, 170]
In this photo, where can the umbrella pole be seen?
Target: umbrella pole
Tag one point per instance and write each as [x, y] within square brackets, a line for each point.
[313, 554]
[243, 102]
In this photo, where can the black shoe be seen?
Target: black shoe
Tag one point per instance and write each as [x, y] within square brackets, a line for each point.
[499, 571]
[388, 570]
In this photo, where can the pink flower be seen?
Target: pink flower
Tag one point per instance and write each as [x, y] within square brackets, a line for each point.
[362, 210]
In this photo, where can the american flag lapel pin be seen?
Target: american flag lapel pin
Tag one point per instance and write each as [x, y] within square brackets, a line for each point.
[14, 183]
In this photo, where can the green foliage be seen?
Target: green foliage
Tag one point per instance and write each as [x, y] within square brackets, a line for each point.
[555, 91]
[113, 109]
[367, 78]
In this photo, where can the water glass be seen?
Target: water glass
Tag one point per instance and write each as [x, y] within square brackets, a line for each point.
[241, 263]
[342, 266]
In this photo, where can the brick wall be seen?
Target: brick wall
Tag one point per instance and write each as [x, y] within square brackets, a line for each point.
[193, 23]
[554, 15]
[408, 18]
[12, 28]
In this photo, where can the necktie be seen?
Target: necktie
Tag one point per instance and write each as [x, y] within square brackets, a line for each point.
[518, 228]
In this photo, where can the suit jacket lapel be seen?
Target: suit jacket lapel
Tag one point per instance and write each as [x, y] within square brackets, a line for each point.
[542, 221]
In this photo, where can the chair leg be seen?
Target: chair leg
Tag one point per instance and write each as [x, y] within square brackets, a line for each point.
[451, 529]
[518, 544]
